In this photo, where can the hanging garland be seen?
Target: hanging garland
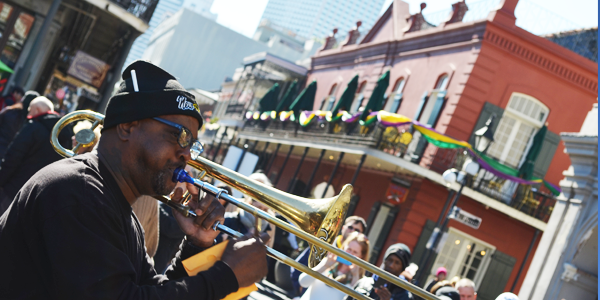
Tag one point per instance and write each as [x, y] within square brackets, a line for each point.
[432, 136]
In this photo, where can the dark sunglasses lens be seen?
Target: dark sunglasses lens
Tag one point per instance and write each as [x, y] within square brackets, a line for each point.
[185, 138]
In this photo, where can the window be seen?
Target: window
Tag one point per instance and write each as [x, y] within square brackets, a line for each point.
[395, 98]
[358, 97]
[462, 255]
[330, 99]
[523, 116]
[432, 106]
[428, 112]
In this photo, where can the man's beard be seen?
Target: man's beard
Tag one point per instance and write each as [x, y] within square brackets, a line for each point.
[159, 182]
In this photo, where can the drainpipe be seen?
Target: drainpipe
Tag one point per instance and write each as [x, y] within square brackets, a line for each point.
[535, 236]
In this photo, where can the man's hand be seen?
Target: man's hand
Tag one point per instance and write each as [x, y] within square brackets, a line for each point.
[247, 257]
[199, 230]
[383, 293]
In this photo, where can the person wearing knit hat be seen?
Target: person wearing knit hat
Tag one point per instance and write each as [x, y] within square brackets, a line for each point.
[396, 259]
[72, 229]
[440, 275]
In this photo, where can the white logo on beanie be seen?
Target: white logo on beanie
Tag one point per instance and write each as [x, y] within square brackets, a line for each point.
[184, 104]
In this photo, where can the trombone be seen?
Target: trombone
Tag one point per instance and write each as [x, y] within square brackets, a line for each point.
[318, 220]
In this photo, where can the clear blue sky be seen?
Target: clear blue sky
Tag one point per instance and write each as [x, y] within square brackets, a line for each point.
[244, 15]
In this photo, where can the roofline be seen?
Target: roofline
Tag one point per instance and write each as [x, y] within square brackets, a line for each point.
[260, 56]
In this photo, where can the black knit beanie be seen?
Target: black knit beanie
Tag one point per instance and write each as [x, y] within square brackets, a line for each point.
[148, 91]
[401, 251]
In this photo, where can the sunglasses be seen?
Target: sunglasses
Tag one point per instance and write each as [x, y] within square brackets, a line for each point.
[352, 228]
[185, 138]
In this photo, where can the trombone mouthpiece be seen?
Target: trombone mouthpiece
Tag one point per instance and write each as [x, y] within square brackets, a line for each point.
[180, 175]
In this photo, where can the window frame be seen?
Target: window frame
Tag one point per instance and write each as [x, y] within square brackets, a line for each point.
[459, 261]
[398, 90]
[518, 119]
[330, 98]
[355, 107]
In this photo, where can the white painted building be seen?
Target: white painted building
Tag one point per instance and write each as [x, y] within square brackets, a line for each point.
[202, 53]
[165, 9]
[565, 265]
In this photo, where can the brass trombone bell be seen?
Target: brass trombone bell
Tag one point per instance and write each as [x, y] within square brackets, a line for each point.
[322, 218]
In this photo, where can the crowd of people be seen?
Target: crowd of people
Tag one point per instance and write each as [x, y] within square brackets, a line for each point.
[90, 227]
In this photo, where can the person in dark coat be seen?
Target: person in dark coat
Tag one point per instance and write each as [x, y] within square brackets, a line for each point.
[30, 150]
[396, 259]
[14, 97]
[12, 120]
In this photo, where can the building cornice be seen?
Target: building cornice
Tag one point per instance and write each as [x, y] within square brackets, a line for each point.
[426, 41]
[545, 55]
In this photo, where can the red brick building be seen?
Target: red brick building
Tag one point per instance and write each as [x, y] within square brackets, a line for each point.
[453, 77]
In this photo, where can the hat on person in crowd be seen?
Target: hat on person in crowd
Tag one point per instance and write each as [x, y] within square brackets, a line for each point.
[148, 91]
[441, 270]
[449, 292]
[401, 251]
[19, 90]
[507, 296]
[27, 98]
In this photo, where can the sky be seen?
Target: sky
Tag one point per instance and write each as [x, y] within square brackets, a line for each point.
[243, 16]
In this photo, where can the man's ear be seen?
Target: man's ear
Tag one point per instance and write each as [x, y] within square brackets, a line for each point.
[125, 130]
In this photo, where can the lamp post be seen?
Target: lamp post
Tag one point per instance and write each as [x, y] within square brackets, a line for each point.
[484, 136]
[469, 168]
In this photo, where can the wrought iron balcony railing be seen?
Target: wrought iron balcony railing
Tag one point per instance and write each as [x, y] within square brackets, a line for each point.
[398, 141]
[142, 9]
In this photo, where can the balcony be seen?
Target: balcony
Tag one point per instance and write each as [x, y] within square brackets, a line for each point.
[534, 201]
[142, 9]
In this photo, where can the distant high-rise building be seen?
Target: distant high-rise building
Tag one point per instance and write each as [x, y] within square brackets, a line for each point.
[164, 9]
[317, 18]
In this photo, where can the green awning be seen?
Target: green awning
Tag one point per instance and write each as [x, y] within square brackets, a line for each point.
[304, 101]
[269, 100]
[377, 97]
[284, 104]
[347, 97]
[5, 68]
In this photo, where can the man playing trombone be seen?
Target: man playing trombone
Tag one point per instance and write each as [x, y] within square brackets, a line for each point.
[70, 232]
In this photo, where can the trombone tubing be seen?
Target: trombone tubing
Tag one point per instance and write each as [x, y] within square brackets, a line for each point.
[290, 262]
[315, 241]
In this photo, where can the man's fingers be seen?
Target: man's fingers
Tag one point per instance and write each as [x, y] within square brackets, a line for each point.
[177, 195]
[265, 237]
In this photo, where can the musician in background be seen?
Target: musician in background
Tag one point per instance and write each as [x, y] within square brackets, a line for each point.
[396, 259]
[71, 230]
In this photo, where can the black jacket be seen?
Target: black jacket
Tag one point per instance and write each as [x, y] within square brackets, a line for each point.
[29, 152]
[72, 233]
[365, 286]
[11, 120]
